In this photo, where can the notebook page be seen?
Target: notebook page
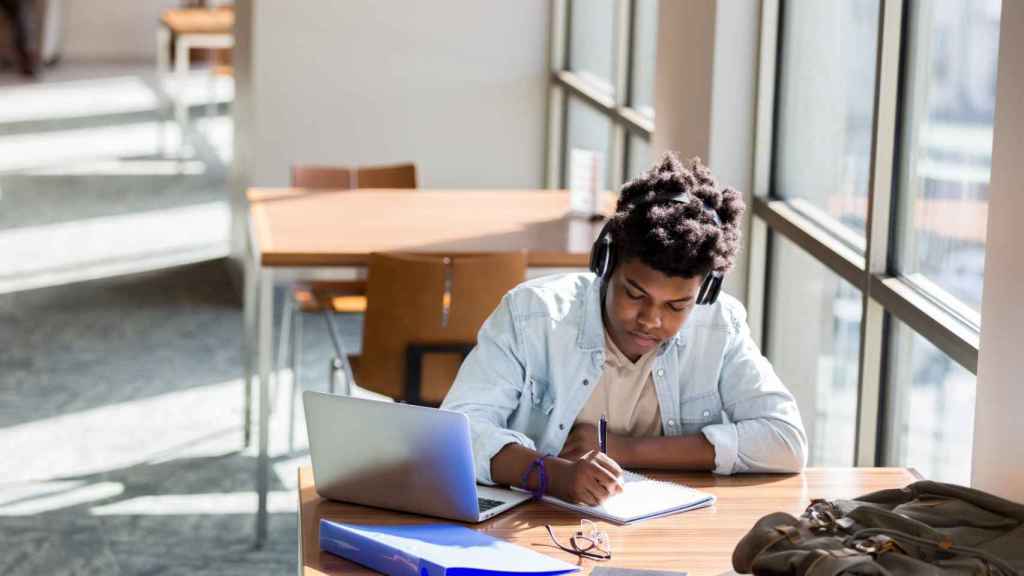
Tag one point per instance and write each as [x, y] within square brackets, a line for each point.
[641, 498]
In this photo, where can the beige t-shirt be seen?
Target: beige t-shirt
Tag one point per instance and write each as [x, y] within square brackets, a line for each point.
[625, 394]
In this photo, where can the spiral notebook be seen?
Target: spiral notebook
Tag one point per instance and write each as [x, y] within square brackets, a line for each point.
[642, 499]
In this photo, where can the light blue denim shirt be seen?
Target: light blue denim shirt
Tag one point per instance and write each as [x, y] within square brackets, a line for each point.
[540, 353]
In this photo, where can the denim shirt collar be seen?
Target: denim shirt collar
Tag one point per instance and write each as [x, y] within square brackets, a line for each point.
[591, 333]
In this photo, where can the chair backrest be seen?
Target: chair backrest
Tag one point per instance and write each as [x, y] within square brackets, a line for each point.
[395, 176]
[428, 300]
[338, 178]
[322, 177]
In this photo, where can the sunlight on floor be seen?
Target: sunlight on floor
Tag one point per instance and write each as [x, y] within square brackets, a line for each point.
[124, 167]
[36, 498]
[202, 422]
[278, 502]
[50, 150]
[94, 441]
[42, 149]
[105, 96]
[53, 254]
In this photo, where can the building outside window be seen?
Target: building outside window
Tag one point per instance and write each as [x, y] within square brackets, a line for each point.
[872, 308]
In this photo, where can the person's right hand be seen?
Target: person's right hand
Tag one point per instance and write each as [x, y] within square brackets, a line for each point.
[592, 479]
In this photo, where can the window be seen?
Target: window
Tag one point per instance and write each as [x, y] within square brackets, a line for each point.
[814, 346]
[588, 129]
[874, 205]
[947, 147]
[930, 420]
[591, 35]
[602, 85]
[643, 54]
[639, 156]
[826, 91]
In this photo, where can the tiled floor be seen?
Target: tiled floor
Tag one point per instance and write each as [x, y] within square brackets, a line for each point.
[120, 389]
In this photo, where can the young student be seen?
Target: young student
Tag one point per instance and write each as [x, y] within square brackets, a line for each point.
[645, 340]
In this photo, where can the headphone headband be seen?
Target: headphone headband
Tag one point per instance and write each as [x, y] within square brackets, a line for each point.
[603, 259]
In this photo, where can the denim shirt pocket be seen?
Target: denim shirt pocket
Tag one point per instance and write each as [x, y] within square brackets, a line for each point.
[540, 396]
[700, 410]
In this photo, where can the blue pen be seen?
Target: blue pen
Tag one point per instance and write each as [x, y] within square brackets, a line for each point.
[602, 434]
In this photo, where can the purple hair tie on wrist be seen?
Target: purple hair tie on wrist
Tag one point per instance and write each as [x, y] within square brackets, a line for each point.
[542, 484]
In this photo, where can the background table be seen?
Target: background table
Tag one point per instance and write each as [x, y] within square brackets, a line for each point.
[698, 542]
[189, 28]
[295, 232]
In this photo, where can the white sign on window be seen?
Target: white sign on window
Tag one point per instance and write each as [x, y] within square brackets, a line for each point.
[586, 174]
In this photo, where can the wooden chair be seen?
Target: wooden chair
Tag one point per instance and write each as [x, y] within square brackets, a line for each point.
[337, 178]
[394, 176]
[322, 177]
[348, 296]
[423, 317]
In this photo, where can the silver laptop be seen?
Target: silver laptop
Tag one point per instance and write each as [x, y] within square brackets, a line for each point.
[398, 456]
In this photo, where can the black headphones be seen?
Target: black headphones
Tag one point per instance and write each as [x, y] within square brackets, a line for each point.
[602, 254]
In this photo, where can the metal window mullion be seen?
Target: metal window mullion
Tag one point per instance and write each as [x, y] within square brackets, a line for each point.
[757, 243]
[559, 35]
[554, 161]
[883, 159]
[572, 82]
[621, 62]
[605, 103]
[928, 318]
[636, 122]
[558, 49]
[814, 239]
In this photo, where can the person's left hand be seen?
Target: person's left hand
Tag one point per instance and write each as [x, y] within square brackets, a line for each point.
[582, 439]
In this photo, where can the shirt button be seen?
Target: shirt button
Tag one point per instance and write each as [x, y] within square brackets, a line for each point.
[707, 413]
[586, 382]
[661, 372]
[671, 422]
[561, 426]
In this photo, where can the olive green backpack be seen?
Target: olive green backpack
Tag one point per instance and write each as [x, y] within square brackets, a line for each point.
[925, 528]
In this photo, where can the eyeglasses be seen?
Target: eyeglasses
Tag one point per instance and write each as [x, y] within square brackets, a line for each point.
[587, 542]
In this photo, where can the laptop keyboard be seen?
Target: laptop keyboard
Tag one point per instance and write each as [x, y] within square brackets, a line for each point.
[486, 504]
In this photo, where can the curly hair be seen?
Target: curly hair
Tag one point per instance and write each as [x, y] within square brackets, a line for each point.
[675, 238]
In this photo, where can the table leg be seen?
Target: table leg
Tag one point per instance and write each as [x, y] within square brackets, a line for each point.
[181, 66]
[163, 70]
[249, 303]
[263, 356]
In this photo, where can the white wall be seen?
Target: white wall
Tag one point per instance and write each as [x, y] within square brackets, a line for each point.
[109, 29]
[705, 92]
[998, 456]
[458, 86]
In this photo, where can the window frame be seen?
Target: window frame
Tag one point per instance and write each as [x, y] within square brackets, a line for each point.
[617, 107]
[884, 291]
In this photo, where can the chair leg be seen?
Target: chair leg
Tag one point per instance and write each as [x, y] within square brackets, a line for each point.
[296, 358]
[339, 364]
[248, 346]
[211, 88]
[282, 347]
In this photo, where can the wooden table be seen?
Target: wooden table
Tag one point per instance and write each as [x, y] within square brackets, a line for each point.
[294, 229]
[699, 542]
[189, 28]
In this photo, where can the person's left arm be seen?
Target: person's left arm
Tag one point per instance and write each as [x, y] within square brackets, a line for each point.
[764, 432]
[692, 452]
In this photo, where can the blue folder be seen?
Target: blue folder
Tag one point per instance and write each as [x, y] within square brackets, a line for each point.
[434, 550]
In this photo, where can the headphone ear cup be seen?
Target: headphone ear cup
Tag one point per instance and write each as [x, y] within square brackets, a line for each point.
[702, 293]
[601, 253]
[710, 288]
[597, 257]
[714, 288]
